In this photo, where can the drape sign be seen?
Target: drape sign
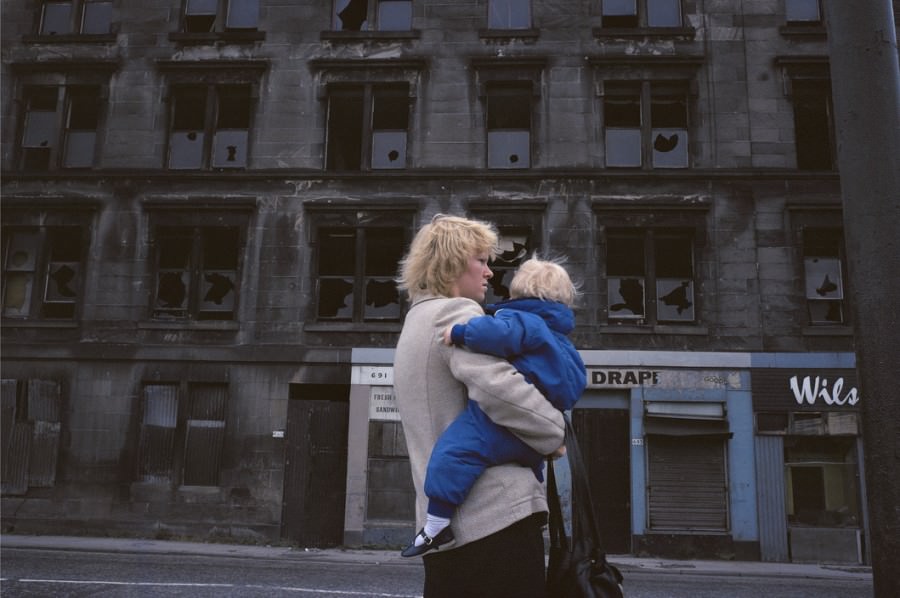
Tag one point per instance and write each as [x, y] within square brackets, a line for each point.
[812, 389]
[382, 405]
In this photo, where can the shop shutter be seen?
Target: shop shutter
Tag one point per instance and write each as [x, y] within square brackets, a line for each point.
[44, 412]
[687, 483]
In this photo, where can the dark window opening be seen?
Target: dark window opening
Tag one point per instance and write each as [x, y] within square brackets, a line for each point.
[210, 127]
[356, 272]
[668, 130]
[822, 481]
[207, 16]
[86, 17]
[813, 125]
[622, 123]
[516, 245]
[366, 15]
[42, 272]
[629, 14]
[41, 129]
[367, 125]
[82, 121]
[197, 273]
[509, 109]
[650, 276]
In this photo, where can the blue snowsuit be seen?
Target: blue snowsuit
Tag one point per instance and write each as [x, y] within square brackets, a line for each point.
[531, 334]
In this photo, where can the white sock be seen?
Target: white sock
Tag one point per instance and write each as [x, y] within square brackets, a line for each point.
[433, 526]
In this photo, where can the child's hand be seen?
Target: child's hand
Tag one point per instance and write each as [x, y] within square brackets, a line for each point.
[448, 340]
[558, 452]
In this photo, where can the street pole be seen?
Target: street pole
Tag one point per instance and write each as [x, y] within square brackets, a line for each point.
[865, 82]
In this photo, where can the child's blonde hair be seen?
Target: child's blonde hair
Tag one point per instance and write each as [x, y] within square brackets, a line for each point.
[440, 253]
[543, 279]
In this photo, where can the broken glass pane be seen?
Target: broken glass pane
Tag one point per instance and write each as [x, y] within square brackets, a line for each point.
[217, 293]
[243, 14]
[509, 149]
[230, 149]
[676, 300]
[515, 247]
[395, 15]
[351, 15]
[97, 18]
[626, 297]
[57, 18]
[664, 13]
[62, 284]
[509, 14]
[670, 148]
[389, 149]
[200, 15]
[382, 299]
[823, 278]
[336, 298]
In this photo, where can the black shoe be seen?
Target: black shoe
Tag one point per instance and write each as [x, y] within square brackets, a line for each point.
[444, 537]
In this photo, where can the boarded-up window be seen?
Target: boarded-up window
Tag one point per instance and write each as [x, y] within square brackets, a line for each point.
[687, 483]
[31, 425]
[158, 426]
[204, 434]
[390, 494]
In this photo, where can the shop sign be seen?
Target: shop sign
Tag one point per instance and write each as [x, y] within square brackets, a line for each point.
[811, 389]
[382, 405]
[622, 378]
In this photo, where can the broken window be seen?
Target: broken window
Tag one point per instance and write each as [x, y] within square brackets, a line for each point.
[509, 14]
[356, 272]
[197, 272]
[650, 275]
[509, 107]
[641, 13]
[359, 15]
[367, 125]
[42, 272]
[208, 16]
[822, 480]
[635, 135]
[516, 245]
[210, 127]
[813, 124]
[802, 12]
[185, 437]
[824, 281]
[87, 17]
[41, 140]
[31, 425]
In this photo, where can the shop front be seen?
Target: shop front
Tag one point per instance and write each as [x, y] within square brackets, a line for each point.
[809, 455]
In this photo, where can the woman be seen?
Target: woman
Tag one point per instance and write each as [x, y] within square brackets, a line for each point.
[495, 546]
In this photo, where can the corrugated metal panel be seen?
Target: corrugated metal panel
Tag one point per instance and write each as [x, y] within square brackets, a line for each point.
[687, 483]
[158, 431]
[203, 452]
[7, 418]
[44, 454]
[773, 537]
[208, 401]
[15, 469]
[43, 400]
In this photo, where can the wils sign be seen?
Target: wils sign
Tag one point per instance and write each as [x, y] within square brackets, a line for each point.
[819, 390]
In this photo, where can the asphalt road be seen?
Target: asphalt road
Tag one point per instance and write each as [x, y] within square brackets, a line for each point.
[64, 573]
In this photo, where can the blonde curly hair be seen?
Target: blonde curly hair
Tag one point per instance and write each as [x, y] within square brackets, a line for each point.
[440, 253]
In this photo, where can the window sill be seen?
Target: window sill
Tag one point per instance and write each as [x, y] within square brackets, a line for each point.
[60, 324]
[222, 37]
[71, 38]
[188, 325]
[816, 30]
[670, 329]
[352, 327]
[644, 32]
[505, 34]
[361, 36]
[825, 330]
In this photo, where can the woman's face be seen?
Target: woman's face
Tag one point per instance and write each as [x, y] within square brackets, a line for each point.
[472, 283]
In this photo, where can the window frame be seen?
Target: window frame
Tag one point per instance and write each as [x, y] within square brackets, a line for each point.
[373, 15]
[495, 22]
[175, 462]
[37, 305]
[649, 94]
[665, 221]
[76, 19]
[220, 21]
[808, 148]
[368, 96]
[640, 21]
[324, 217]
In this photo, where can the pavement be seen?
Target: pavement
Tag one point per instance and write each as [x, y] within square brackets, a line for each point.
[625, 563]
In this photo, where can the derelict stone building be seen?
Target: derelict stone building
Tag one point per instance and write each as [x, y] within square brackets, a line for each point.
[204, 203]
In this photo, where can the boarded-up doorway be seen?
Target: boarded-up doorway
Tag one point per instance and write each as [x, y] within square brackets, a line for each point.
[603, 438]
[315, 465]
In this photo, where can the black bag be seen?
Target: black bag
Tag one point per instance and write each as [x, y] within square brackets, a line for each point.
[580, 570]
